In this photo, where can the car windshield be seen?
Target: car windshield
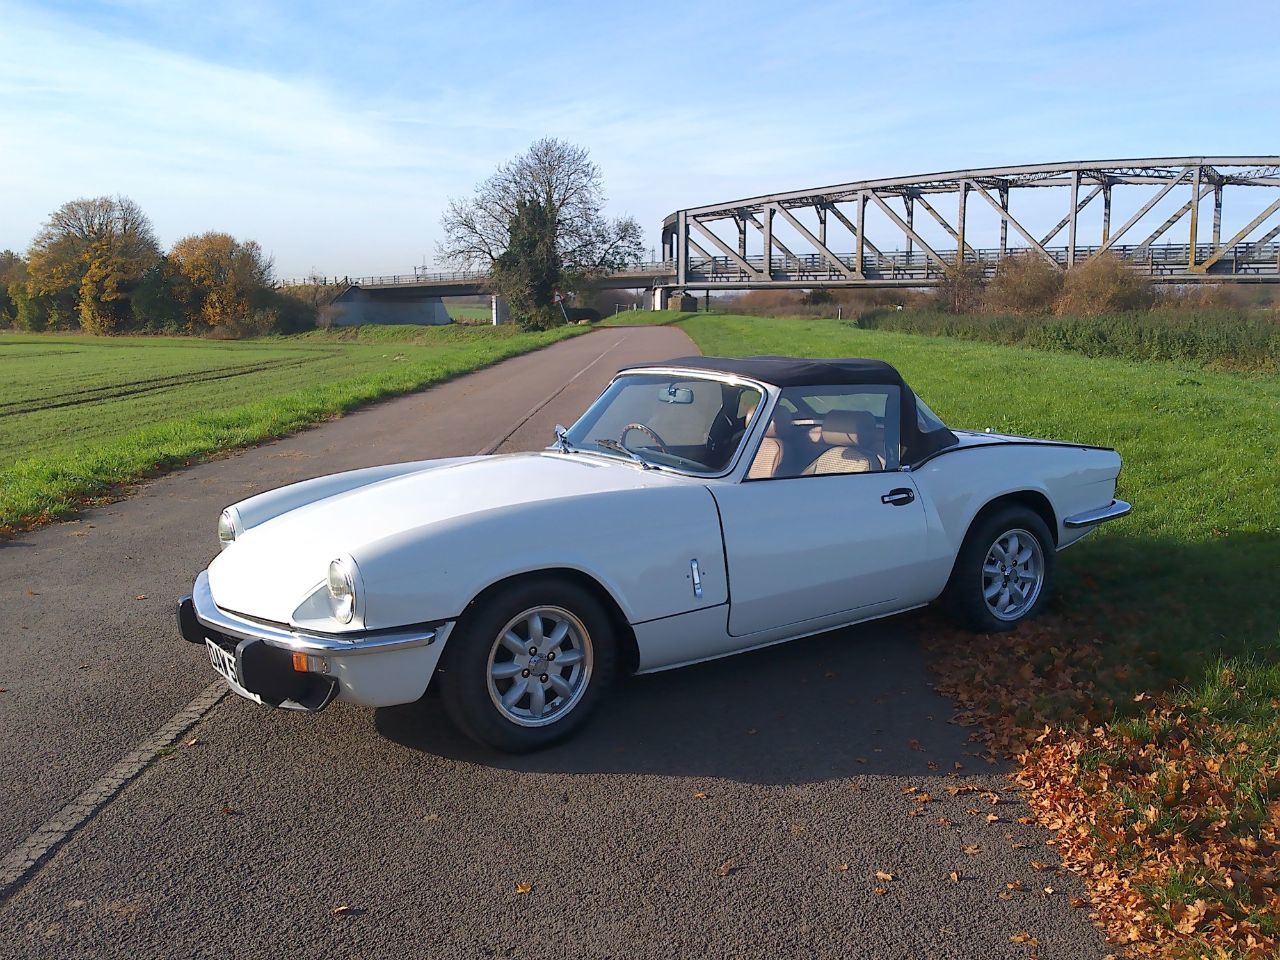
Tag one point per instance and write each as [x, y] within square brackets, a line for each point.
[690, 424]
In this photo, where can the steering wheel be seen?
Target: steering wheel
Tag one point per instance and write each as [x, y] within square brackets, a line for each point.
[622, 437]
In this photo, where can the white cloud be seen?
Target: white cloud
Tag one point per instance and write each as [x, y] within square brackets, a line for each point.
[334, 135]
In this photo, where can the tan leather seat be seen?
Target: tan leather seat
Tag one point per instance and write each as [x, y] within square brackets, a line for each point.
[773, 449]
[851, 436]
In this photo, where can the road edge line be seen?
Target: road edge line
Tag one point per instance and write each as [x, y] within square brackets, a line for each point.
[22, 861]
[491, 447]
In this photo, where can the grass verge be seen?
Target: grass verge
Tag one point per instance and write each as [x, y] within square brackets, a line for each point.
[1238, 339]
[1127, 704]
[643, 318]
[81, 415]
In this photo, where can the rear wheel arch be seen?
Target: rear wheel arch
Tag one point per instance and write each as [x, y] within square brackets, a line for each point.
[1033, 500]
[971, 608]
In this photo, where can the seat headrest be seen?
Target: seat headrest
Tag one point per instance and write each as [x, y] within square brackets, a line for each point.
[849, 428]
[782, 421]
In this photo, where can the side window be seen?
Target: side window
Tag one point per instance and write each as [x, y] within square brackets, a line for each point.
[817, 431]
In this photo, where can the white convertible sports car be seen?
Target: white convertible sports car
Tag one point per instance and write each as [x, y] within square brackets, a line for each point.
[699, 508]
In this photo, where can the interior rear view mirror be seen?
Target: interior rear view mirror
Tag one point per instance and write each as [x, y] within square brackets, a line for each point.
[674, 394]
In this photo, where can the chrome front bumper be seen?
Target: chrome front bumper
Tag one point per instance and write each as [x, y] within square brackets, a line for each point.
[1114, 511]
[268, 669]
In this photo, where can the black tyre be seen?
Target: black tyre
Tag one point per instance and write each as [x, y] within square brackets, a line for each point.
[526, 666]
[1004, 571]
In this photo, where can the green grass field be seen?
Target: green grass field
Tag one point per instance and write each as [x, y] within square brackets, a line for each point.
[643, 318]
[79, 414]
[1180, 599]
[469, 312]
[1194, 572]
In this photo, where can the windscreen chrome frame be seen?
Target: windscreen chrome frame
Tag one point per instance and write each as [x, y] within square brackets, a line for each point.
[764, 411]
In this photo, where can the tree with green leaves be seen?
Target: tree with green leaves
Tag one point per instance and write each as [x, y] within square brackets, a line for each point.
[13, 271]
[526, 274]
[557, 190]
[160, 301]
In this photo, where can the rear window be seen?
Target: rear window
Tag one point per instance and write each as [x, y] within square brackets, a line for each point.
[926, 420]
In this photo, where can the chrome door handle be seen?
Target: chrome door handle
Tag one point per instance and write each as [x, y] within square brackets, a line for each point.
[898, 497]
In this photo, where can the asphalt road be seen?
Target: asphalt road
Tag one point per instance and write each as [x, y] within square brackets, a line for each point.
[736, 809]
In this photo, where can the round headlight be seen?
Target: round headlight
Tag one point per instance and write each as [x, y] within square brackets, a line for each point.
[342, 591]
[226, 529]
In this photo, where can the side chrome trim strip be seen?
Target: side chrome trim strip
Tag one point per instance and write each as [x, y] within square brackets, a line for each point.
[215, 618]
[1114, 511]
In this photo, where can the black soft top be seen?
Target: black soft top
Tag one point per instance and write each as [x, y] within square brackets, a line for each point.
[917, 441]
[796, 371]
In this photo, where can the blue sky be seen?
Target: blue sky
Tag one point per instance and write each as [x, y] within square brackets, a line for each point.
[333, 133]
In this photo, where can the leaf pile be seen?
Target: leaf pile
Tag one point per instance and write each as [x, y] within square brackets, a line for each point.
[1175, 822]
[1012, 685]
[1169, 809]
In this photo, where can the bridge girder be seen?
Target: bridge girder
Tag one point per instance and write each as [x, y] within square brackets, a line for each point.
[809, 212]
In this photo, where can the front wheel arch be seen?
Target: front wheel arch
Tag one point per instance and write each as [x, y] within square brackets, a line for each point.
[468, 671]
[629, 652]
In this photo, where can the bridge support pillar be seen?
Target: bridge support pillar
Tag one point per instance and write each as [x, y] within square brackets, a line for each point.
[499, 310]
[661, 298]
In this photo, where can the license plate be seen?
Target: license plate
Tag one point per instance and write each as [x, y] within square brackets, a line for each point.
[224, 663]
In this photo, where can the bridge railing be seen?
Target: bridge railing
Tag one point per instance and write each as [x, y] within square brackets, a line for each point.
[419, 277]
[1163, 260]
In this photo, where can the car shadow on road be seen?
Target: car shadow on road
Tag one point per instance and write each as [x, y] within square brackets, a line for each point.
[846, 703]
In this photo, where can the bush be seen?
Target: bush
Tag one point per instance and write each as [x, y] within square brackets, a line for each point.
[158, 303]
[1025, 283]
[35, 312]
[1102, 285]
[817, 297]
[284, 312]
[1240, 338]
[961, 289]
[819, 302]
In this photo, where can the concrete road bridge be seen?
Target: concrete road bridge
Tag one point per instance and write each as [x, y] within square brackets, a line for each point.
[916, 231]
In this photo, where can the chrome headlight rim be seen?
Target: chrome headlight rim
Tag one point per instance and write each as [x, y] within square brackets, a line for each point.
[341, 584]
[228, 527]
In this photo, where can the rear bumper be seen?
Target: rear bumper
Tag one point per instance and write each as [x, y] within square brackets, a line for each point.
[1113, 511]
[374, 668]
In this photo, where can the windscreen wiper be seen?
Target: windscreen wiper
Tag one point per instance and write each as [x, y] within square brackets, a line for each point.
[618, 447]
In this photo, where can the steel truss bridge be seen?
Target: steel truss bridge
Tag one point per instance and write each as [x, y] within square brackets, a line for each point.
[919, 230]
[1071, 216]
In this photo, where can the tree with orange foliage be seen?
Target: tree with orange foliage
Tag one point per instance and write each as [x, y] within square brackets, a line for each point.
[228, 279]
[88, 255]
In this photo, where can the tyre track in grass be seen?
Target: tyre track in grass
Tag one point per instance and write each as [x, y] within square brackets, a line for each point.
[137, 388]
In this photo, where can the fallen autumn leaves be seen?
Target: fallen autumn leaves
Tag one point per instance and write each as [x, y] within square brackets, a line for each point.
[1171, 817]
[1191, 860]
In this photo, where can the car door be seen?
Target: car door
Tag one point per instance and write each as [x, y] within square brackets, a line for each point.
[837, 531]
